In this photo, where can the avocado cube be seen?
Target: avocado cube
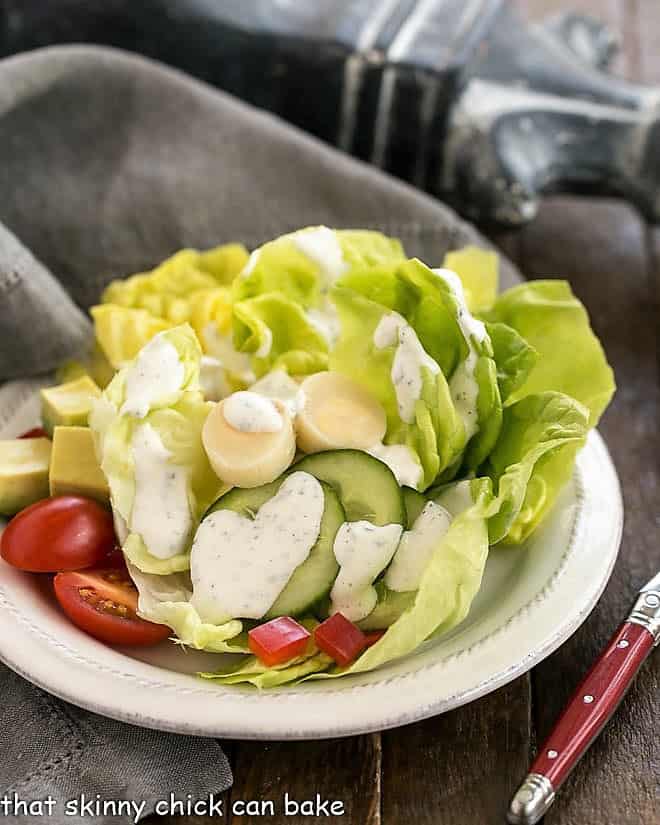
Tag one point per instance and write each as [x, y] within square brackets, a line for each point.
[68, 404]
[23, 473]
[74, 468]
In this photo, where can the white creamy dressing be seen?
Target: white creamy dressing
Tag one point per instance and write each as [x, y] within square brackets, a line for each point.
[156, 374]
[410, 358]
[417, 547]
[278, 385]
[250, 412]
[161, 509]
[463, 384]
[362, 550]
[402, 461]
[212, 379]
[222, 348]
[322, 246]
[239, 566]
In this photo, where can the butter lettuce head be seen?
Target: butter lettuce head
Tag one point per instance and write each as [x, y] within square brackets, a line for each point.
[178, 420]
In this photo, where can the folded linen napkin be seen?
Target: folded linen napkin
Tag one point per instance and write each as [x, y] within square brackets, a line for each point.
[109, 164]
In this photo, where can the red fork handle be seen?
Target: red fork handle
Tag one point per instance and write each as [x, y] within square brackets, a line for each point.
[583, 718]
[593, 703]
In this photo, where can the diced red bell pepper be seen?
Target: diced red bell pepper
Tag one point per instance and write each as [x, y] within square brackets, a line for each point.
[340, 639]
[278, 641]
[35, 432]
[374, 636]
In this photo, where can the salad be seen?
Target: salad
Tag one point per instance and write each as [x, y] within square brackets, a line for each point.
[303, 454]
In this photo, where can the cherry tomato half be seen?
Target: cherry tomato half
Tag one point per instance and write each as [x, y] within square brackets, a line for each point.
[103, 603]
[61, 533]
[35, 432]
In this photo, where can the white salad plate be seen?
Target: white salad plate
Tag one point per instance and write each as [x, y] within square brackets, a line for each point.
[532, 599]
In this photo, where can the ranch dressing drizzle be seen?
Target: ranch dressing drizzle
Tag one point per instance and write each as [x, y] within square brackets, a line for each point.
[161, 509]
[362, 550]
[463, 385]
[156, 374]
[409, 359]
[250, 412]
[417, 547]
[402, 462]
[239, 566]
[279, 386]
[322, 246]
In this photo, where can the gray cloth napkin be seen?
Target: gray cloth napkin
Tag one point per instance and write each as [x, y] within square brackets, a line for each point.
[109, 163]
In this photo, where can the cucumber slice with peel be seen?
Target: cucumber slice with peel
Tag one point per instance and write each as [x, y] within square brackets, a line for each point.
[366, 487]
[311, 581]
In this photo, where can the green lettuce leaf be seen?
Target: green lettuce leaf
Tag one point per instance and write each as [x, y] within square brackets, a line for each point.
[178, 420]
[570, 357]
[165, 599]
[436, 435]
[532, 460]
[279, 334]
[514, 358]
[434, 309]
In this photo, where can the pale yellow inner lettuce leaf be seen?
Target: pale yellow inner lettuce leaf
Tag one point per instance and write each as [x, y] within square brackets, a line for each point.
[478, 270]
[122, 332]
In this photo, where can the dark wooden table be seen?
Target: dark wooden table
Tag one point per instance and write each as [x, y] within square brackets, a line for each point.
[461, 768]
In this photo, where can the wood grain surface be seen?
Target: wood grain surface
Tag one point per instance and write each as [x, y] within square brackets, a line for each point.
[461, 768]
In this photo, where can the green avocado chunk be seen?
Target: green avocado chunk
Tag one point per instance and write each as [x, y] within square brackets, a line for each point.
[74, 467]
[23, 473]
[68, 404]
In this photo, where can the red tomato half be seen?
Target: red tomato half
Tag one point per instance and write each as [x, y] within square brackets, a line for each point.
[35, 432]
[61, 533]
[103, 603]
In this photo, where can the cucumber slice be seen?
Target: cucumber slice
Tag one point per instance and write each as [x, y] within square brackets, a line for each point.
[366, 487]
[391, 604]
[414, 502]
[312, 580]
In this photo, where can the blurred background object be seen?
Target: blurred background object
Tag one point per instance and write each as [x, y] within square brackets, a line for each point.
[462, 98]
